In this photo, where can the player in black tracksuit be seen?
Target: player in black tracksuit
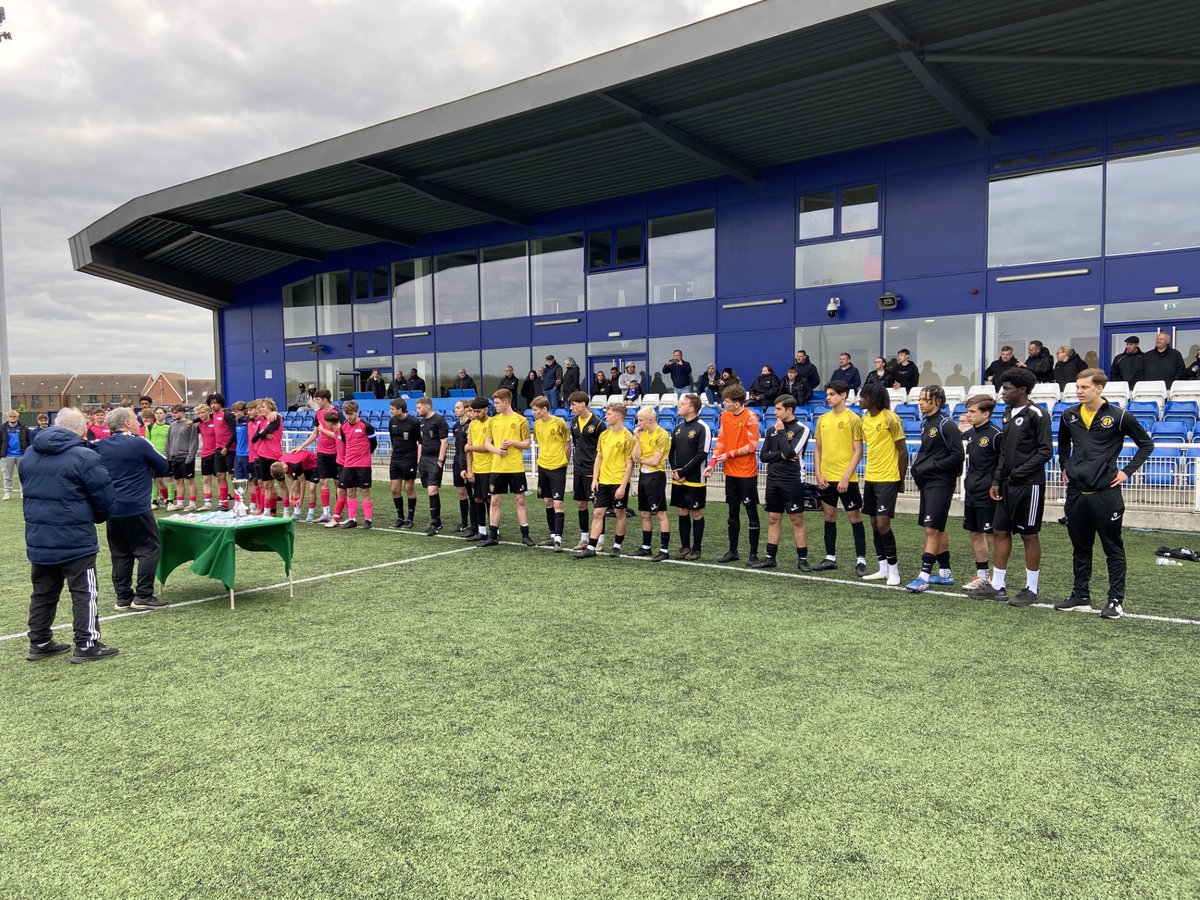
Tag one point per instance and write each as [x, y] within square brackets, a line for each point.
[585, 438]
[982, 440]
[783, 453]
[466, 504]
[690, 442]
[936, 469]
[1089, 441]
[1019, 485]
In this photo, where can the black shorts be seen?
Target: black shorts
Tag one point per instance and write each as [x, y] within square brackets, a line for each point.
[208, 465]
[850, 500]
[581, 486]
[223, 462]
[508, 483]
[483, 484]
[935, 504]
[742, 491]
[355, 477]
[785, 496]
[295, 470]
[686, 496]
[606, 497]
[327, 466]
[1021, 509]
[430, 472]
[264, 467]
[652, 492]
[979, 519]
[879, 499]
[183, 468]
[402, 470]
[458, 479]
[552, 483]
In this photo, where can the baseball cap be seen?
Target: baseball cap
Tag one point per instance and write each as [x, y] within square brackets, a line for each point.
[1133, 339]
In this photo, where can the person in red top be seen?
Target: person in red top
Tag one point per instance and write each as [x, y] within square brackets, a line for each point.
[253, 490]
[737, 449]
[302, 481]
[269, 437]
[328, 449]
[358, 442]
[208, 450]
[99, 429]
[225, 444]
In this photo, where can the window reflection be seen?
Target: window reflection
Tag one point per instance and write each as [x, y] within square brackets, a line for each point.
[617, 288]
[557, 270]
[456, 287]
[945, 349]
[1044, 217]
[682, 257]
[333, 303]
[300, 309]
[839, 262]
[412, 293]
[1077, 327]
[1144, 208]
[824, 344]
[504, 279]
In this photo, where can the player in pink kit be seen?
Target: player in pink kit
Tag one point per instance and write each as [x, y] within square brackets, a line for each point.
[269, 437]
[302, 482]
[206, 427]
[358, 442]
[328, 449]
[225, 445]
[253, 491]
[99, 429]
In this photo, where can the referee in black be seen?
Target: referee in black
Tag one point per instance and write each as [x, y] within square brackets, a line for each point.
[1089, 441]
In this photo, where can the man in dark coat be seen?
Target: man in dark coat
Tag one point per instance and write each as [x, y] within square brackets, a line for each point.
[376, 385]
[67, 490]
[1129, 366]
[998, 367]
[806, 372]
[570, 378]
[1039, 362]
[1164, 362]
[552, 377]
[1067, 367]
[464, 382]
[905, 373]
[847, 372]
[415, 383]
[510, 383]
[680, 371]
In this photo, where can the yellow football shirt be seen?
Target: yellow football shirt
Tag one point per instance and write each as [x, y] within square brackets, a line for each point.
[658, 440]
[509, 427]
[552, 435]
[836, 433]
[477, 432]
[616, 448]
[880, 434]
[1087, 415]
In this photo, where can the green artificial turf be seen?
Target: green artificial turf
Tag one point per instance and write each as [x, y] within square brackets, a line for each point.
[511, 722]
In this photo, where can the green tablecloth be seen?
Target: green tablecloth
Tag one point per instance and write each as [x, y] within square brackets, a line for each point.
[213, 545]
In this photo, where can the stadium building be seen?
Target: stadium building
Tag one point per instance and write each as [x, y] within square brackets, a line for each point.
[943, 175]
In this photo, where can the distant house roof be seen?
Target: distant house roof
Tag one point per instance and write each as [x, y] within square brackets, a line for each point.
[130, 385]
[39, 384]
[768, 84]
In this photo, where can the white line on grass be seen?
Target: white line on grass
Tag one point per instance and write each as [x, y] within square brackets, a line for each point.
[268, 587]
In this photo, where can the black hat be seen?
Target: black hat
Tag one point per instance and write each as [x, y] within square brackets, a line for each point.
[1133, 339]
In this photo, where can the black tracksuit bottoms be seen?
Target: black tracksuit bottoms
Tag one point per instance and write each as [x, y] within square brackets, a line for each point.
[80, 576]
[1092, 513]
[133, 538]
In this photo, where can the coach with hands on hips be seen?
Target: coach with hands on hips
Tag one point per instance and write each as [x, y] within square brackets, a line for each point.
[67, 490]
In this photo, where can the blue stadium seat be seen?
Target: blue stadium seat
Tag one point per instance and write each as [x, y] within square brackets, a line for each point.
[1162, 467]
[1147, 422]
[1182, 408]
[912, 427]
[907, 411]
[1143, 408]
[1173, 430]
[1060, 407]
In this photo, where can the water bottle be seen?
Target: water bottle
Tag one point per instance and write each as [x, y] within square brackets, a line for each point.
[1167, 561]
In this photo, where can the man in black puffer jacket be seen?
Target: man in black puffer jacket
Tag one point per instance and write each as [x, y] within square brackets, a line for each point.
[67, 491]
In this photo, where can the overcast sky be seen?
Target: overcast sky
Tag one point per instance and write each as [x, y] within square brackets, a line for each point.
[106, 100]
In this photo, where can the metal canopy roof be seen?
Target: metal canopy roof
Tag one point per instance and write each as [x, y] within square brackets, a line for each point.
[771, 83]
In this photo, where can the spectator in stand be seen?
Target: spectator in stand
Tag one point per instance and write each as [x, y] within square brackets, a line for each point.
[531, 387]
[463, 382]
[709, 384]
[1130, 365]
[302, 397]
[600, 384]
[633, 393]
[552, 377]
[807, 372]
[1193, 371]
[415, 383]
[509, 382]
[728, 379]
[881, 374]
[133, 465]
[1164, 362]
[764, 389]
[1039, 362]
[12, 448]
[630, 374]
[846, 372]
[680, 371]
[793, 387]
[395, 388]
[1067, 367]
[614, 381]
[999, 366]
[571, 380]
[67, 490]
[376, 385]
[904, 373]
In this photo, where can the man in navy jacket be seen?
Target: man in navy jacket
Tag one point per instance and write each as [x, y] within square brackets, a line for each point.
[133, 464]
[66, 491]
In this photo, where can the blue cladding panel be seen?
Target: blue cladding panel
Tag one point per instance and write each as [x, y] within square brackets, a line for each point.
[631, 322]
[268, 318]
[413, 346]
[753, 318]
[570, 333]
[936, 224]
[267, 352]
[1068, 291]
[239, 354]
[379, 341]
[687, 198]
[1061, 128]
[833, 171]
[939, 295]
[269, 387]
[239, 381]
[236, 324]
[675, 318]
[756, 247]
[458, 337]
[1136, 277]
[748, 351]
[507, 332]
[860, 303]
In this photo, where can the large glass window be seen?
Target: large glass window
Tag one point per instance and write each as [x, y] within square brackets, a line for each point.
[300, 309]
[860, 208]
[1145, 209]
[824, 344]
[404, 364]
[456, 287]
[817, 215]
[448, 365]
[495, 362]
[611, 247]
[557, 270]
[839, 262]
[412, 293]
[295, 373]
[504, 278]
[372, 305]
[945, 349]
[1077, 327]
[338, 376]
[698, 350]
[561, 353]
[829, 214]
[333, 303]
[1045, 217]
[617, 288]
[683, 257]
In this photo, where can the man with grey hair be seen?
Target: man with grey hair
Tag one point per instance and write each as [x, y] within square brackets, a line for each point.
[67, 490]
[133, 464]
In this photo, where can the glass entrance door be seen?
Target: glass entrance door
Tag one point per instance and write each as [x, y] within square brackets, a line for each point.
[1184, 337]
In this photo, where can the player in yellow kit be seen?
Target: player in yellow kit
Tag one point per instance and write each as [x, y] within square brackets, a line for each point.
[507, 440]
[610, 481]
[479, 464]
[650, 456]
[553, 439]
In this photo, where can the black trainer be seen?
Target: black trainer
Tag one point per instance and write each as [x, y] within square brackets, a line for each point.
[825, 565]
[1074, 602]
[367, 523]
[349, 523]
[585, 553]
[860, 569]
[660, 556]
[642, 551]
[490, 542]
[41, 651]
[462, 526]
[432, 530]
[92, 653]
[1114, 609]
[767, 562]
[730, 556]
[475, 536]
[1024, 597]
[803, 565]
[148, 603]
[527, 541]
[123, 607]
[399, 523]
[753, 558]
[614, 552]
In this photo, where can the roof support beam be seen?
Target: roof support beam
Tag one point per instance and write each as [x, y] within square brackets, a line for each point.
[337, 220]
[930, 76]
[128, 268]
[244, 240]
[1063, 11]
[681, 141]
[449, 195]
[1166, 62]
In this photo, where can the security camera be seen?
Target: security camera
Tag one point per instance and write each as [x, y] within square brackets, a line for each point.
[832, 309]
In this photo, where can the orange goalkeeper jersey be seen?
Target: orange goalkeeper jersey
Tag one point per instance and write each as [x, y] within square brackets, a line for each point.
[738, 439]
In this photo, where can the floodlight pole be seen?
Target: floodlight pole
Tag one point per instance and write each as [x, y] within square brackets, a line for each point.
[5, 380]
